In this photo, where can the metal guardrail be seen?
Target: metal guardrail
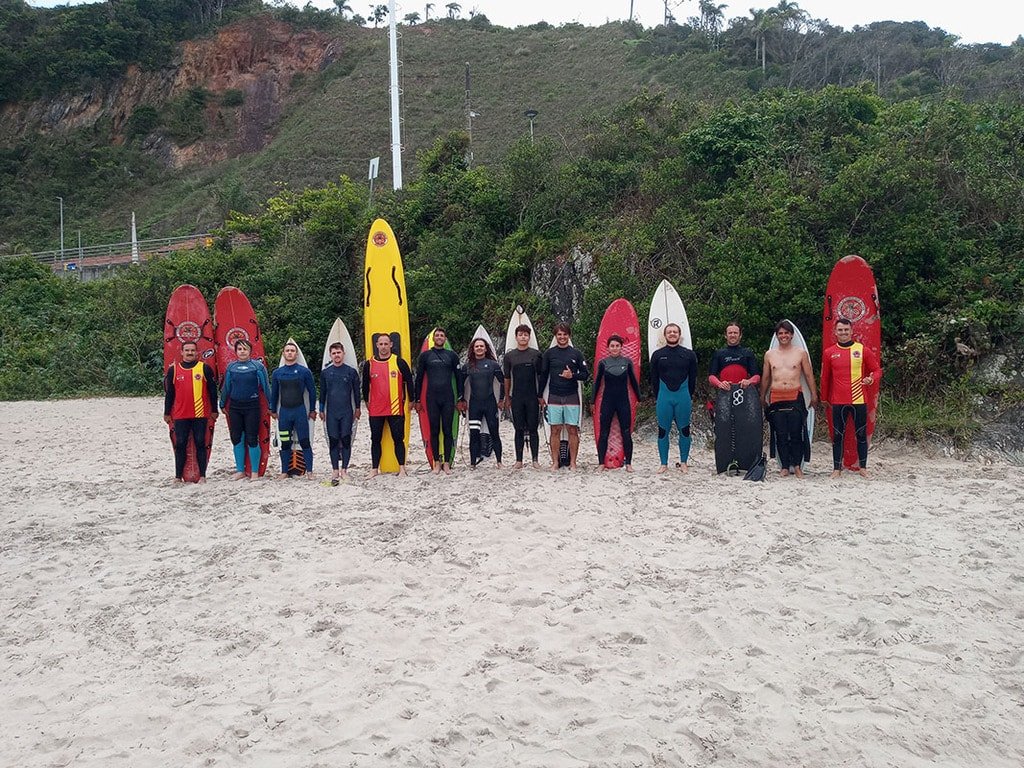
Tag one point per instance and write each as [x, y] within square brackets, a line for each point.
[72, 259]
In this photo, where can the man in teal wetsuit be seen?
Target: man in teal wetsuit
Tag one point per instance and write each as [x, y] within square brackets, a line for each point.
[674, 379]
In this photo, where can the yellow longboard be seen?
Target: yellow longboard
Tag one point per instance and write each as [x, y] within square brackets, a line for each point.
[386, 310]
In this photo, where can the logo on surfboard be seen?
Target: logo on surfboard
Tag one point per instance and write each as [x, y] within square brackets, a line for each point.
[380, 239]
[852, 308]
[188, 331]
[236, 334]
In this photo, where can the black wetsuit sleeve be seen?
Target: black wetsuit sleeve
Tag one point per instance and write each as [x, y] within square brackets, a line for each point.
[421, 370]
[692, 375]
[655, 360]
[501, 382]
[460, 380]
[355, 389]
[583, 374]
[598, 379]
[323, 389]
[403, 368]
[542, 373]
[169, 391]
[366, 381]
[633, 381]
[715, 369]
[752, 367]
[211, 386]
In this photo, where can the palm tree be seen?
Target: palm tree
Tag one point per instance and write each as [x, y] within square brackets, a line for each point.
[412, 19]
[343, 7]
[378, 13]
[453, 9]
[711, 18]
[426, 11]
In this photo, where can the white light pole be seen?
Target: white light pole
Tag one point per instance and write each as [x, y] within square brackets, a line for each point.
[61, 227]
[396, 131]
[530, 115]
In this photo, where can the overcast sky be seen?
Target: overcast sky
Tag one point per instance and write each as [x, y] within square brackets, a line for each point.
[978, 21]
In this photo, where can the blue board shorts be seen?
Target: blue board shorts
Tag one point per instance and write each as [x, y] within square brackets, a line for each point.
[564, 410]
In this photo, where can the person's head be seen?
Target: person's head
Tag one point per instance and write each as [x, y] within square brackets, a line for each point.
[562, 334]
[733, 333]
[673, 333]
[189, 351]
[614, 345]
[523, 334]
[440, 336]
[844, 330]
[383, 345]
[337, 353]
[243, 350]
[290, 353]
[784, 331]
[480, 349]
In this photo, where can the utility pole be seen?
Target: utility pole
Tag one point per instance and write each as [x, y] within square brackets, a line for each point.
[470, 114]
[530, 115]
[61, 227]
[396, 130]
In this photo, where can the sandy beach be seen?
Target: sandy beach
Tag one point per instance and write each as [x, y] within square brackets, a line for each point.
[500, 618]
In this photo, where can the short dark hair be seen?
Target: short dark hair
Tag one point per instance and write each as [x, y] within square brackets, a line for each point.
[524, 328]
[844, 321]
[438, 328]
[189, 344]
[336, 345]
[243, 343]
[784, 325]
[732, 323]
[563, 328]
[614, 337]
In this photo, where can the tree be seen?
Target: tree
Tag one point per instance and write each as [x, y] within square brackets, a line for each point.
[412, 19]
[711, 18]
[453, 10]
[377, 14]
[342, 7]
[426, 11]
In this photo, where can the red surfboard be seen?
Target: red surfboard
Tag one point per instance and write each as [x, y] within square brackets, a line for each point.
[852, 294]
[620, 320]
[188, 319]
[428, 446]
[234, 319]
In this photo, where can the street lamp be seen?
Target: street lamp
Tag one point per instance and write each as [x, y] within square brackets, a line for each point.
[530, 114]
[61, 227]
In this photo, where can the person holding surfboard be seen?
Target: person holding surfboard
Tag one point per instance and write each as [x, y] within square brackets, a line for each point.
[846, 368]
[674, 379]
[482, 375]
[783, 397]
[521, 367]
[563, 370]
[733, 364]
[438, 367]
[616, 375]
[339, 403]
[292, 405]
[190, 400]
[387, 386]
[244, 379]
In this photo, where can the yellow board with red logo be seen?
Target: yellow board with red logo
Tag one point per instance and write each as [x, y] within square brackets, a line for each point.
[386, 310]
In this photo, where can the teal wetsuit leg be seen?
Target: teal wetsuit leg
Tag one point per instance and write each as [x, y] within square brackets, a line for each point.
[239, 450]
[682, 415]
[674, 407]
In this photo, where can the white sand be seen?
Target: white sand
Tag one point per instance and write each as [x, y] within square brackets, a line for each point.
[498, 618]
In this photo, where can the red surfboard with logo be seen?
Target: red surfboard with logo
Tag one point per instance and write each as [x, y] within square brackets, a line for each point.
[234, 319]
[619, 319]
[188, 319]
[852, 294]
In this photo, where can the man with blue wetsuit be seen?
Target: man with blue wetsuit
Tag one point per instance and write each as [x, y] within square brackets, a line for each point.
[291, 388]
[244, 380]
[674, 379]
[339, 403]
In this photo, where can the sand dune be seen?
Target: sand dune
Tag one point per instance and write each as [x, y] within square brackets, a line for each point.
[497, 618]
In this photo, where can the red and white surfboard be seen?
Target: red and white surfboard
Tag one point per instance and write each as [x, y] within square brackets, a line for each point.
[620, 319]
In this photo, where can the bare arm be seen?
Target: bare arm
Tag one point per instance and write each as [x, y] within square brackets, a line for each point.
[808, 373]
[766, 377]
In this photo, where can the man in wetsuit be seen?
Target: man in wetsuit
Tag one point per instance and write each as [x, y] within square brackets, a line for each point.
[521, 367]
[190, 400]
[673, 380]
[339, 403]
[439, 368]
[616, 376]
[733, 364]
[783, 398]
[562, 369]
[387, 386]
[846, 368]
[293, 404]
[244, 380]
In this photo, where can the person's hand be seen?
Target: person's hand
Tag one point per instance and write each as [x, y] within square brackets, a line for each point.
[566, 374]
[745, 383]
[725, 386]
[814, 402]
[168, 420]
[358, 413]
[461, 406]
[416, 406]
[869, 379]
[540, 400]
[273, 416]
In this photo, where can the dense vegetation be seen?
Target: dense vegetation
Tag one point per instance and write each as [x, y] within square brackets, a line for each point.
[744, 206]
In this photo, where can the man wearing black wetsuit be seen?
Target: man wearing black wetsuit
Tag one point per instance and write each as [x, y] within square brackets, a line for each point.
[674, 379]
[733, 364]
[339, 405]
[521, 367]
[438, 370]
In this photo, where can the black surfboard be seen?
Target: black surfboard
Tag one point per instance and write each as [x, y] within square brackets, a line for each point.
[739, 430]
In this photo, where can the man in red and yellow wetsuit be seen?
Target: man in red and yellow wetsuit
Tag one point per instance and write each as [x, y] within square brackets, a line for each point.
[845, 368]
[190, 400]
[387, 388]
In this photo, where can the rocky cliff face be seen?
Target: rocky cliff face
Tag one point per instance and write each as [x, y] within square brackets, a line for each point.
[258, 57]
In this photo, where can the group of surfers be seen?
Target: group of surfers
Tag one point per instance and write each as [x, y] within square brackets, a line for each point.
[526, 382]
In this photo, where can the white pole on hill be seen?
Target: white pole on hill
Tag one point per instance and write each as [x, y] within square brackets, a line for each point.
[135, 242]
[396, 130]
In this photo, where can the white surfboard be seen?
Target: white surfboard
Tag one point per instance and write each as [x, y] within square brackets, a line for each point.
[579, 423]
[800, 343]
[519, 317]
[666, 307]
[339, 333]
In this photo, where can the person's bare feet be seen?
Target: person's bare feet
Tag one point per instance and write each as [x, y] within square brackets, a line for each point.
[783, 472]
[283, 476]
[402, 472]
[863, 473]
[343, 474]
[536, 465]
[662, 469]
[374, 472]
[602, 468]
[497, 465]
[629, 467]
[836, 474]
[238, 476]
[517, 465]
[798, 471]
[177, 481]
[310, 476]
[436, 469]
[446, 468]
[553, 468]
[202, 479]
[683, 467]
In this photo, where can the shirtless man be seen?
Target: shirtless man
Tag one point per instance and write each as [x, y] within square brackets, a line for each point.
[784, 399]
